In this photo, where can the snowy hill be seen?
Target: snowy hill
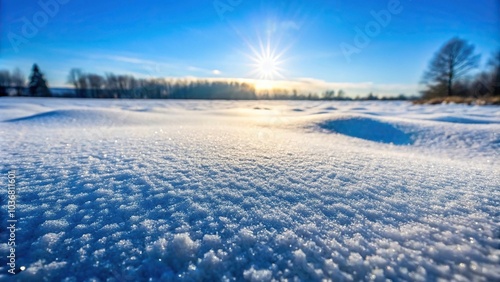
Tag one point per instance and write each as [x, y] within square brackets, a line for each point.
[128, 190]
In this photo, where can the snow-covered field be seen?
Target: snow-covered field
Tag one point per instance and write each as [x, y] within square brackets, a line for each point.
[124, 190]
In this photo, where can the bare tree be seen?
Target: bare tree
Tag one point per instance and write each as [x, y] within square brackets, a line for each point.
[18, 81]
[341, 94]
[112, 85]
[84, 86]
[329, 95]
[495, 81]
[5, 81]
[75, 77]
[455, 59]
[96, 84]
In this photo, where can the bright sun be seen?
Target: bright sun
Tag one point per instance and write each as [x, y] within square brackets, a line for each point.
[267, 68]
[266, 62]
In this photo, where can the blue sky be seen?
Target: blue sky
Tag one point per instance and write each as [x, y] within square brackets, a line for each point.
[215, 39]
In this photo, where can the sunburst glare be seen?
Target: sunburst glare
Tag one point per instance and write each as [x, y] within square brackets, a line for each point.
[266, 61]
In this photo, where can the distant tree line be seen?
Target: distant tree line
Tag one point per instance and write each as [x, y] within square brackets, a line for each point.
[449, 69]
[90, 85]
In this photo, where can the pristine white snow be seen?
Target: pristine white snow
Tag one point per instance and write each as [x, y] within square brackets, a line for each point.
[129, 190]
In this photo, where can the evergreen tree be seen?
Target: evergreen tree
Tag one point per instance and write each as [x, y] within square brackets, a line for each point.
[38, 85]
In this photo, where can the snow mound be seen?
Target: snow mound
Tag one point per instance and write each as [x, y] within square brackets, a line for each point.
[368, 129]
[78, 117]
[64, 116]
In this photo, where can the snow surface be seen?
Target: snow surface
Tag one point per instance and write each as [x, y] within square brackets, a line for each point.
[127, 190]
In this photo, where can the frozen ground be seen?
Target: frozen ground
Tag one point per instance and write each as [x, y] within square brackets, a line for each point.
[122, 190]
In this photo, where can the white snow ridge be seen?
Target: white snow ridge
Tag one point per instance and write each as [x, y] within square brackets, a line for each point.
[121, 190]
